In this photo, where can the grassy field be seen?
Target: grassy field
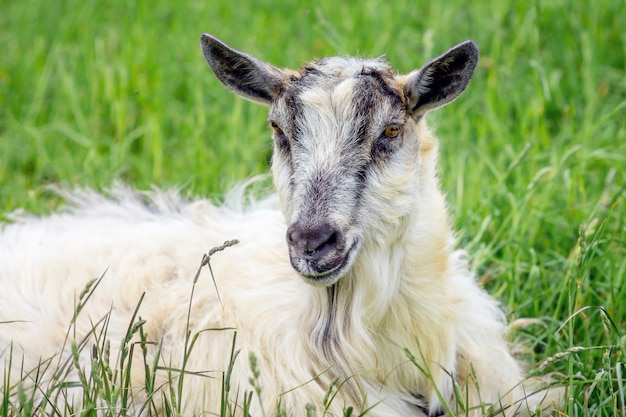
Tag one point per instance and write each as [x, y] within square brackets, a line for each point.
[533, 154]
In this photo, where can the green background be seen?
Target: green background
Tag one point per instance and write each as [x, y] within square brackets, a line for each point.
[533, 154]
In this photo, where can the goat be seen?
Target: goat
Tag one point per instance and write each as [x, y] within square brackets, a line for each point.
[353, 285]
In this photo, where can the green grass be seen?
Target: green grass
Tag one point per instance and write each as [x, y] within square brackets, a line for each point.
[533, 154]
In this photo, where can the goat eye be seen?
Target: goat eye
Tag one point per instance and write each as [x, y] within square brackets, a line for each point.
[276, 128]
[392, 131]
[279, 136]
[386, 143]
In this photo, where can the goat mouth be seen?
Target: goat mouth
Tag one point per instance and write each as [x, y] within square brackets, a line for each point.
[327, 277]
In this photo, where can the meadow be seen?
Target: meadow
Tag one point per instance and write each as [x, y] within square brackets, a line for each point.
[533, 155]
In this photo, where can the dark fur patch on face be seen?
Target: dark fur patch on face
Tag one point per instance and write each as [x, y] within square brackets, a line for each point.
[375, 90]
[384, 83]
[289, 100]
[318, 192]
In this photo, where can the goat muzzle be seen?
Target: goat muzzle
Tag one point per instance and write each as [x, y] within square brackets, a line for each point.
[318, 251]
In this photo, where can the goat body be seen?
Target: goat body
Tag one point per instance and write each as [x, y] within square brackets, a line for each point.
[335, 288]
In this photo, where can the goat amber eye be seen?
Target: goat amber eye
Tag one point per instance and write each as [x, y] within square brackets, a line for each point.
[392, 131]
[276, 128]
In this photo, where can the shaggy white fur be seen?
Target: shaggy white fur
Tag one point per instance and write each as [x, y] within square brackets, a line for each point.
[403, 290]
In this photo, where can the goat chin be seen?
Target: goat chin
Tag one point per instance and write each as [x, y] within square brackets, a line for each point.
[398, 326]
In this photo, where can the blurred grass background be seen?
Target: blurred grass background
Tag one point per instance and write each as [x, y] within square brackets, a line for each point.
[533, 154]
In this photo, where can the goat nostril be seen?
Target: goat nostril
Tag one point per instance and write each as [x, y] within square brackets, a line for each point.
[332, 240]
[293, 236]
[322, 246]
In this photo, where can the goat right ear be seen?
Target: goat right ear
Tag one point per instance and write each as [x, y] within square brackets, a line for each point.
[246, 76]
[440, 81]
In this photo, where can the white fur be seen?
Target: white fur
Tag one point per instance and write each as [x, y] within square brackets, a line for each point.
[439, 312]
[407, 288]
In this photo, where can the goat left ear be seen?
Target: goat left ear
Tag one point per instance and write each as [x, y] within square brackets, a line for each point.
[246, 76]
[441, 80]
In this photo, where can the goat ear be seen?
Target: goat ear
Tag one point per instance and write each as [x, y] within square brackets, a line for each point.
[441, 80]
[246, 76]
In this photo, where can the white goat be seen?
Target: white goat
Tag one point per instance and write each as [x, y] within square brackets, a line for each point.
[367, 273]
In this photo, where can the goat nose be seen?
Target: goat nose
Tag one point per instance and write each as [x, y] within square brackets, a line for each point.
[312, 241]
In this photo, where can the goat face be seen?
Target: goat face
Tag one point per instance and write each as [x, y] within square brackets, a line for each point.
[337, 136]
[346, 151]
